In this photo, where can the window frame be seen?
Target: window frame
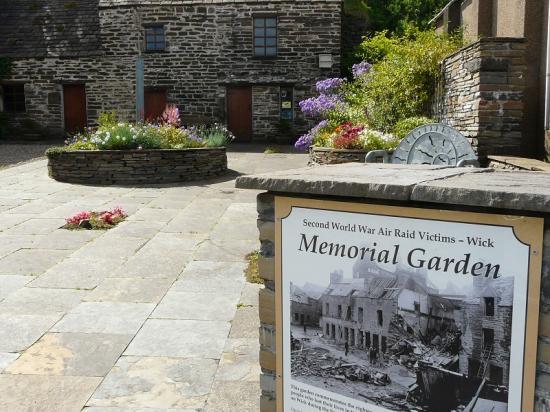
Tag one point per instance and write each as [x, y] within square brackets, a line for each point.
[15, 100]
[265, 46]
[153, 26]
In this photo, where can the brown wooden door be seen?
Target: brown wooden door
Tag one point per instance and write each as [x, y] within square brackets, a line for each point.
[155, 103]
[239, 112]
[74, 107]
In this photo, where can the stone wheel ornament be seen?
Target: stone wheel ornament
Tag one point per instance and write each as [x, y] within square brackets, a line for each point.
[431, 144]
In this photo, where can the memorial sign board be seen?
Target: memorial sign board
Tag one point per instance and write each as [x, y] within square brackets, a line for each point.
[383, 308]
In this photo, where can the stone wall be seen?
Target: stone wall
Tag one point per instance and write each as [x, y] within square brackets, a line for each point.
[481, 93]
[482, 190]
[136, 166]
[209, 47]
[329, 156]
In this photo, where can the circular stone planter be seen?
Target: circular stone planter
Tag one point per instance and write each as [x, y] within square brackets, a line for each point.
[330, 156]
[136, 166]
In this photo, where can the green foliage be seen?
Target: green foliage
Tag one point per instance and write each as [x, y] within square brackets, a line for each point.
[216, 136]
[396, 15]
[82, 145]
[356, 7]
[176, 138]
[56, 150]
[403, 127]
[107, 119]
[400, 85]
[377, 47]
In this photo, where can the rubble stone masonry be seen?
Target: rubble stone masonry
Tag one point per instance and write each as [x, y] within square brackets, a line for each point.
[481, 93]
[209, 46]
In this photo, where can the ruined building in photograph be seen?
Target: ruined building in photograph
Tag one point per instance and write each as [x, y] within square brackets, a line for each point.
[363, 311]
[488, 333]
[243, 63]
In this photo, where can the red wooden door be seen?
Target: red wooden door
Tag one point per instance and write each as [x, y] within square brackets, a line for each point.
[155, 103]
[74, 107]
[239, 112]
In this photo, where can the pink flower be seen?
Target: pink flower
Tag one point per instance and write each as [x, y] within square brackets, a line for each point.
[171, 116]
[79, 218]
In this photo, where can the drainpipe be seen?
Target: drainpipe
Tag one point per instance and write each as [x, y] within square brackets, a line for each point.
[547, 100]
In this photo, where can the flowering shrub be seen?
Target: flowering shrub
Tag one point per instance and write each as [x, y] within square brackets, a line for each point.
[96, 220]
[167, 135]
[383, 101]
[171, 116]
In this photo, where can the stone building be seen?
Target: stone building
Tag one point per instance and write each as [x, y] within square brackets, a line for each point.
[496, 90]
[487, 336]
[244, 63]
[363, 311]
[304, 308]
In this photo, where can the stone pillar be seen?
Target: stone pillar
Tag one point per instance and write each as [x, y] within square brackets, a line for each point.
[481, 190]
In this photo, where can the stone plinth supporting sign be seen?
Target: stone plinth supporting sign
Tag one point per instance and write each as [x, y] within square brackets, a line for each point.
[345, 337]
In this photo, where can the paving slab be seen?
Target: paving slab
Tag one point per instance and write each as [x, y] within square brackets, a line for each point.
[6, 359]
[225, 251]
[130, 290]
[30, 262]
[240, 361]
[8, 220]
[143, 229]
[225, 395]
[156, 382]
[110, 246]
[154, 264]
[73, 354]
[40, 301]
[105, 317]
[77, 273]
[199, 306]
[245, 323]
[210, 274]
[37, 227]
[153, 214]
[66, 239]
[26, 393]
[10, 284]
[180, 338]
[18, 332]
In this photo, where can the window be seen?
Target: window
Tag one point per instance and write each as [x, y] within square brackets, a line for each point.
[13, 97]
[339, 311]
[154, 38]
[326, 309]
[384, 344]
[380, 318]
[265, 36]
[360, 315]
[489, 306]
[417, 307]
[348, 313]
[296, 317]
[328, 329]
[488, 338]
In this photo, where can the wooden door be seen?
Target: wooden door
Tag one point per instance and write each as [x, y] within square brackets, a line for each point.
[74, 107]
[155, 103]
[239, 112]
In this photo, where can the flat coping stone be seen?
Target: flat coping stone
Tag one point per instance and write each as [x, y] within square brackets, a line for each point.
[476, 187]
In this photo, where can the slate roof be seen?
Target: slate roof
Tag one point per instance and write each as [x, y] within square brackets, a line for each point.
[49, 28]
[298, 295]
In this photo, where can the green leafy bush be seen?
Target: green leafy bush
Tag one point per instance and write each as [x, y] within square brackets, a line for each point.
[403, 127]
[400, 85]
[217, 135]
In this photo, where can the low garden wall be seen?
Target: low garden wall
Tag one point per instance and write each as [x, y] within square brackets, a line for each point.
[136, 166]
[330, 156]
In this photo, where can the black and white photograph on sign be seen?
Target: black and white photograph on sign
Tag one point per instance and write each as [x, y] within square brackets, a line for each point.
[384, 313]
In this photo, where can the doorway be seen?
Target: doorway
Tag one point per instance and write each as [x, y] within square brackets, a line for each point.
[74, 107]
[239, 112]
[155, 103]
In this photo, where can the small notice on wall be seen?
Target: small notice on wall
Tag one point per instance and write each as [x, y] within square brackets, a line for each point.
[383, 308]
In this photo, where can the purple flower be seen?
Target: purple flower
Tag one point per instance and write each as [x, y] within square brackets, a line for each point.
[305, 141]
[360, 69]
[329, 86]
[319, 106]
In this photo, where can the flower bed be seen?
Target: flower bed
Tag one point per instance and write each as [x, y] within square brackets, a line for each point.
[136, 166]
[125, 153]
[88, 220]
[381, 103]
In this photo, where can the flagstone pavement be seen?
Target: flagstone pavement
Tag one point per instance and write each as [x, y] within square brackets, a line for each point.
[153, 315]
